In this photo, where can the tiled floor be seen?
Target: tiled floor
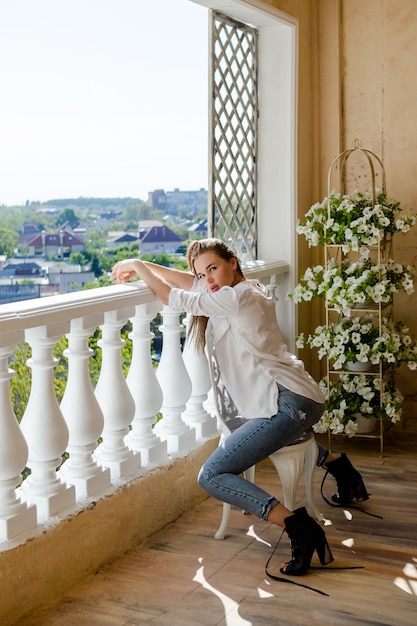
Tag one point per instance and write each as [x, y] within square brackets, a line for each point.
[184, 577]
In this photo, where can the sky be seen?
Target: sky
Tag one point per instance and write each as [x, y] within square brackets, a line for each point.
[102, 98]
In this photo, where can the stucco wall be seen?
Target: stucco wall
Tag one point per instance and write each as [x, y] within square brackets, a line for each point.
[379, 50]
[357, 80]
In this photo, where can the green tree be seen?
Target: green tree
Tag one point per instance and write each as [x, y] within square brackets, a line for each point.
[112, 255]
[184, 213]
[102, 281]
[165, 260]
[9, 240]
[146, 212]
[78, 258]
[67, 215]
[132, 211]
[12, 218]
[96, 266]
[132, 225]
[97, 239]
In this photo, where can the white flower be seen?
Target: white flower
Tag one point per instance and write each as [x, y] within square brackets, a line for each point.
[346, 285]
[352, 221]
[351, 428]
[300, 341]
[337, 427]
[321, 426]
[360, 339]
[352, 394]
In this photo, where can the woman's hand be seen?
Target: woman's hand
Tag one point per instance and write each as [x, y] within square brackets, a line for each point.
[125, 270]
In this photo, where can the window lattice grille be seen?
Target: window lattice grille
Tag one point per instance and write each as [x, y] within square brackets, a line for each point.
[233, 187]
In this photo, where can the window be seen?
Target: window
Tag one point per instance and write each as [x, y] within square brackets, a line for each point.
[273, 199]
[233, 134]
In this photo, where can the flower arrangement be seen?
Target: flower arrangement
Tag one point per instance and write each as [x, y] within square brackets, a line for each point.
[358, 273]
[353, 394]
[358, 339]
[353, 221]
[346, 285]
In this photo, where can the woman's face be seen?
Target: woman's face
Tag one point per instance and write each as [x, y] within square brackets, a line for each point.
[215, 272]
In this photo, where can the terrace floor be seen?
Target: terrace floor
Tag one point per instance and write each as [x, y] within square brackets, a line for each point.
[182, 576]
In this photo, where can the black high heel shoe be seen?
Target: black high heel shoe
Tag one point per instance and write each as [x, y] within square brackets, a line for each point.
[306, 536]
[350, 485]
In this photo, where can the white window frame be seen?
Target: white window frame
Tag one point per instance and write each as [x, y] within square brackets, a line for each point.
[277, 137]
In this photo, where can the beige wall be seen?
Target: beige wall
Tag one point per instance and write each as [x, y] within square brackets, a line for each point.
[357, 80]
[379, 107]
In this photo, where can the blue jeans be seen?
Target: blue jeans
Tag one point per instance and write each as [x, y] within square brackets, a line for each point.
[252, 442]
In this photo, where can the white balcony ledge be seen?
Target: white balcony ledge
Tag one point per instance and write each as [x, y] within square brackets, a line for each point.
[105, 498]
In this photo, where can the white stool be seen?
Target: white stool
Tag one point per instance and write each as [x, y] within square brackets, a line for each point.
[289, 462]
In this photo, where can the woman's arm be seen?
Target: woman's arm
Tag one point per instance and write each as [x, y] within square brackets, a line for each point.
[178, 278]
[157, 277]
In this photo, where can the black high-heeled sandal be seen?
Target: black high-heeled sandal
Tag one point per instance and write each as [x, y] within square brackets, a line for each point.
[350, 485]
[306, 536]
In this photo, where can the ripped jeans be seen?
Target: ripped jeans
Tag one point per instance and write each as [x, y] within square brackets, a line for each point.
[252, 442]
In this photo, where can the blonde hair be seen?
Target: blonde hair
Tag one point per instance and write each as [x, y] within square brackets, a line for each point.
[198, 323]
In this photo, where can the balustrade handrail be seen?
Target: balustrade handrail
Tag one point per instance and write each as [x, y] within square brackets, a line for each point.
[121, 412]
[28, 313]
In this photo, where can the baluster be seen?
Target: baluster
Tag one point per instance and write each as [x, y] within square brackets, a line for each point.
[115, 400]
[273, 286]
[44, 427]
[282, 309]
[195, 415]
[82, 414]
[15, 516]
[145, 390]
[176, 388]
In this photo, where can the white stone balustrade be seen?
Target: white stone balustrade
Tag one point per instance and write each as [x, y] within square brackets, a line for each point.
[115, 400]
[176, 387]
[44, 427]
[82, 414]
[15, 516]
[145, 390]
[195, 414]
[122, 411]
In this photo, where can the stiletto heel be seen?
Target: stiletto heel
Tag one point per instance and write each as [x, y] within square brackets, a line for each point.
[350, 485]
[306, 536]
[324, 553]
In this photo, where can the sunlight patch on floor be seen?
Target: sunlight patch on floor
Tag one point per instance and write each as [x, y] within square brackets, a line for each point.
[409, 586]
[231, 608]
[349, 543]
[251, 533]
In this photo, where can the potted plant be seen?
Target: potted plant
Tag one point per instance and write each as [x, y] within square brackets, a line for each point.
[346, 285]
[353, 396]
[353, 342]
[356, 232]
[354, 221]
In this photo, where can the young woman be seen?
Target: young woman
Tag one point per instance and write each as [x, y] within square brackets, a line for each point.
[234, 319]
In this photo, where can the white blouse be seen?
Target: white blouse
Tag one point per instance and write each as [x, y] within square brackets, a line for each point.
[250, 352]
